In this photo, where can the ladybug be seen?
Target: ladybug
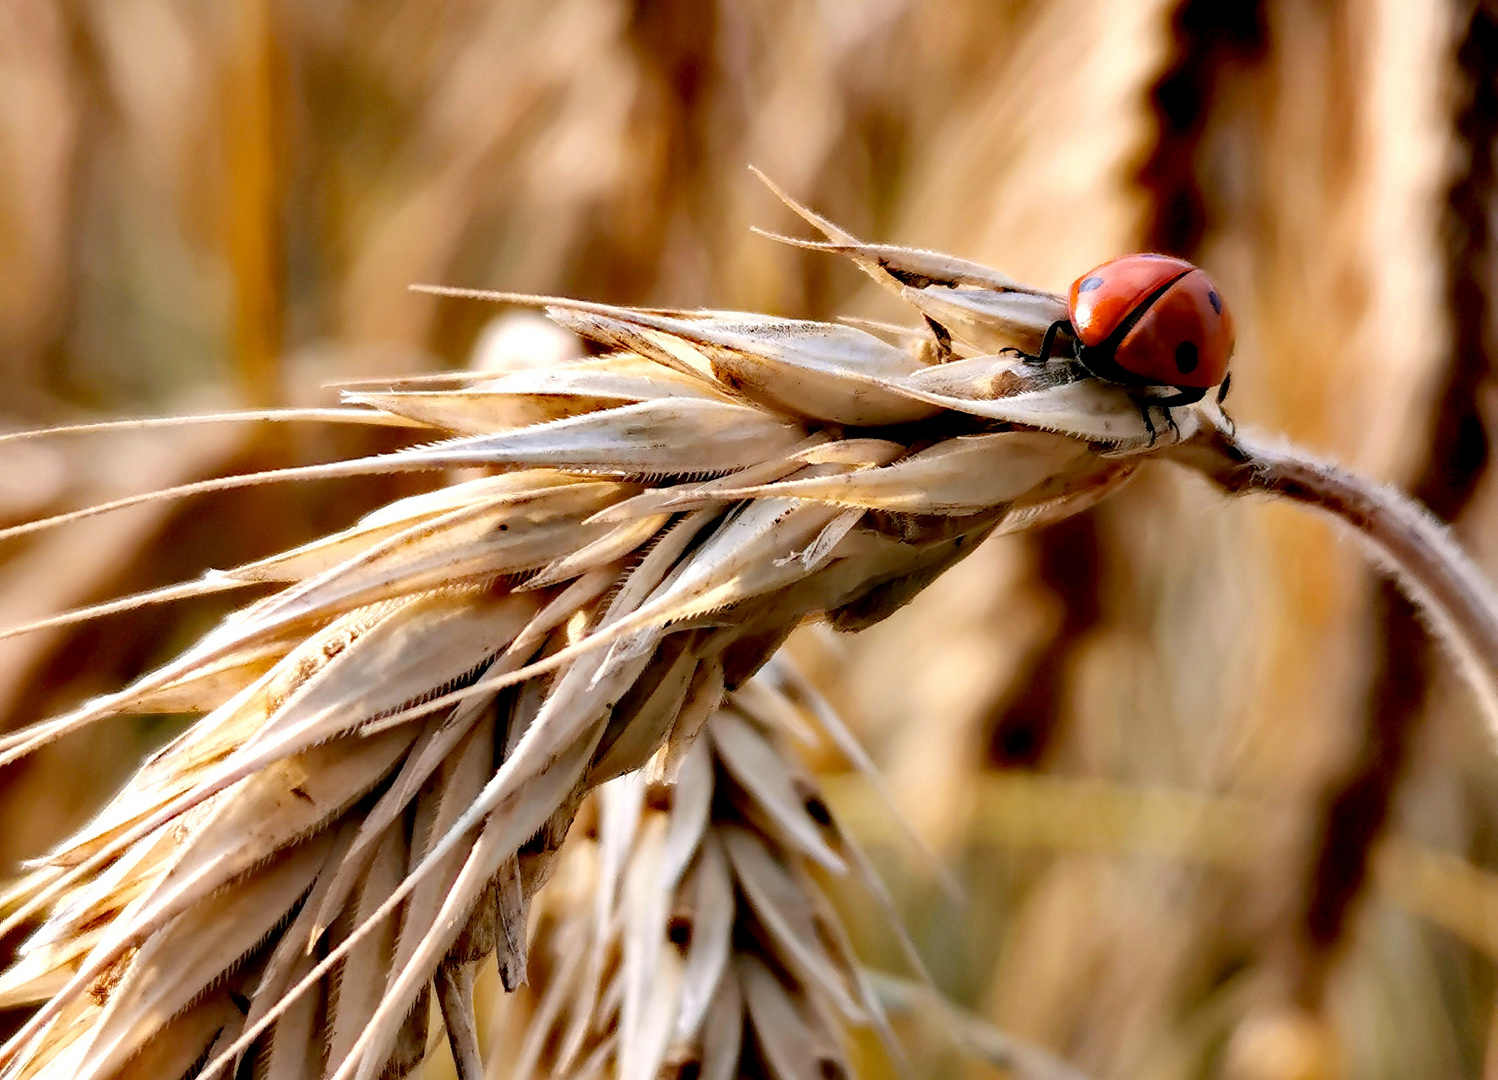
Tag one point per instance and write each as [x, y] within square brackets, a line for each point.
[1148, 320]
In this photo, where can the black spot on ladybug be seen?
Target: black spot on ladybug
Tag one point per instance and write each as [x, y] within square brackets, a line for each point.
[1088, 284]
[1186, 357]
[1214, 300]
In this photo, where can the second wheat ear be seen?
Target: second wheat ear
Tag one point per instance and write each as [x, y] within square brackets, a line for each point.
[395, 741]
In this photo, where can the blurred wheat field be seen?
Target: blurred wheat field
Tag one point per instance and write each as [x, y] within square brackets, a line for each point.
[1215, 806]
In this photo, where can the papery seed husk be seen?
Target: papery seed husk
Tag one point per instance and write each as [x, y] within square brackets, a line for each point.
[663, 437]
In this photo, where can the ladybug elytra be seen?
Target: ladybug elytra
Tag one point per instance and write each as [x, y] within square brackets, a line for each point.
[1148, 320]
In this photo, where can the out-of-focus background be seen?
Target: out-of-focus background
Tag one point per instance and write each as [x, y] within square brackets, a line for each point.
[1217, 806]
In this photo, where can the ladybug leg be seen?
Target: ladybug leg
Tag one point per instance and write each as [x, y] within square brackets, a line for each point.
[1144, 414]
[1222, 393]
[1165, 404]
[1144, 405]
[1048, 342]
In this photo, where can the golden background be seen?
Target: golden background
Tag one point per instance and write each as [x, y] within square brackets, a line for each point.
[1216, 806]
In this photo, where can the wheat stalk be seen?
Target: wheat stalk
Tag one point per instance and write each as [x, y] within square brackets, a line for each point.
[395, 741]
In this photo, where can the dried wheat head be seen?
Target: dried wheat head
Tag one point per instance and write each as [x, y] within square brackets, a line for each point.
[394, 742]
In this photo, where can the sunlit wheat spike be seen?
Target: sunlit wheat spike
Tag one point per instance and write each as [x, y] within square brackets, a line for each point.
[700, 941]
[394, 741]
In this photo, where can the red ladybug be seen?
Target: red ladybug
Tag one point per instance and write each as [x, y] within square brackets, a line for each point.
[1149, 320]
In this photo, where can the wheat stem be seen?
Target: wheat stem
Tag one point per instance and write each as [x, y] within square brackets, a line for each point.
[1416, 550]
